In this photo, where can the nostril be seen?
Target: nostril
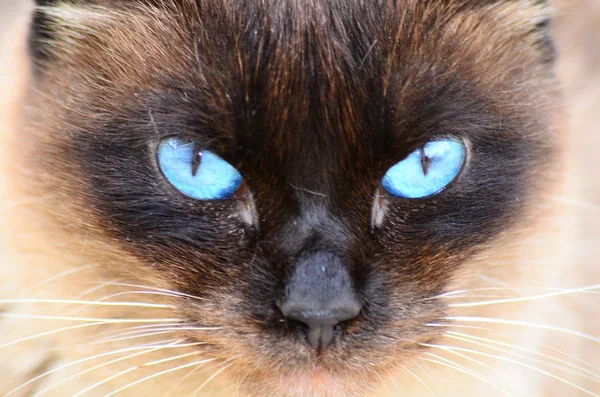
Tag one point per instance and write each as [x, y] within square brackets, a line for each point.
[320, 325]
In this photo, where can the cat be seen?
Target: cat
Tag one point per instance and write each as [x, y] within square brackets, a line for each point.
[304, 199]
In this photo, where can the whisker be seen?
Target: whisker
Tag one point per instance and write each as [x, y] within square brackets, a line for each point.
[96, 288]
[520, 364]
[527, 298]
[471, 359]
[571, 357]
[523, 324]
[183, 379]
[143, 328]
[136, 292]
[147, 351]
[427, 373]
[56, 277]
[86, 319]
[460, 368]
[107, 341]
[148, 348]
[130, 337]
[121, 373]
[85, 293]
[140, 328]
[519, 290]
[379, 377]
[166, 291]
[419, 380]
[87, 303]
[457, 326]
[213, 376]
[177, 328]
[164, 360]
[54, 331]
[474, 339]
[196, 363]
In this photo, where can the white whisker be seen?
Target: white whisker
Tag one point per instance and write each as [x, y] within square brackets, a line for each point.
[517, 363]
[138, 328]
[87, 319]
[135, 292]
[164, 360]
[128, 335]
[474, 339]
[571, 357]
[471, 359]
[148, 348]
[183, 379]
[427, 372]
[119, 374]
[145, 334]
[56, 277]
[196, 363]
[85, 293]
[213, 376]
[419, 380]
[166, 291]
[87, 303]
[457, 326]
[527, 298]
[523, 324]
[460, 368]
[54, 331]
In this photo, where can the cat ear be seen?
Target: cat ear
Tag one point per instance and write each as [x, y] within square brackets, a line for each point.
[43, 30]
[531, 18]
[49, 18]
[545, 41]
[40, 34]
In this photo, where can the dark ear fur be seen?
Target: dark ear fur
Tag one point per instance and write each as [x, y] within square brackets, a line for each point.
[547, 42]
[40, 33]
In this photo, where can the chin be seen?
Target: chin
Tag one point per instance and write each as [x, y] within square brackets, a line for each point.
[315, 383]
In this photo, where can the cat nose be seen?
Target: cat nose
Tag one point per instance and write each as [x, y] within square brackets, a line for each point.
[321, 323]
[320, 294]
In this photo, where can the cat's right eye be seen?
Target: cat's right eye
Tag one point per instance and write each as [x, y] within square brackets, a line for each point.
[427, 170]
[197, 173]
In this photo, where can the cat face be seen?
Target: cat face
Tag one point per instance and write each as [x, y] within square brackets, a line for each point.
[309, 265]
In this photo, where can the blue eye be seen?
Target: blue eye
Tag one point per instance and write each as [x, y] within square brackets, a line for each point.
[427, 170]
[200, 174]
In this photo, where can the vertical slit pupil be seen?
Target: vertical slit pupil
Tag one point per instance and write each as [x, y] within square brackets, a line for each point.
[425, 161]
[196, 160]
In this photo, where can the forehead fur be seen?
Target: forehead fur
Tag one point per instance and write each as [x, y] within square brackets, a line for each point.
[146, 36]
[103, 53]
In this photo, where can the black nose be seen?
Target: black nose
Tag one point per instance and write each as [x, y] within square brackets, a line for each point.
[320, 294]
[320, 322]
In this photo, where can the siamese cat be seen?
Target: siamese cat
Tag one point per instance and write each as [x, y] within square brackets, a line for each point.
[318, 198]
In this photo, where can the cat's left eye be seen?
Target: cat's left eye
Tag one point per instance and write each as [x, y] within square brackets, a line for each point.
[427, 170]
[197, 173]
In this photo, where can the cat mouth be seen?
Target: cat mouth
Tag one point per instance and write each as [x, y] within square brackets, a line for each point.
[316, 381]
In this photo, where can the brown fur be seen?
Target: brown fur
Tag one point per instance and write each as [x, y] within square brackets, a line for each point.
[60, 226]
